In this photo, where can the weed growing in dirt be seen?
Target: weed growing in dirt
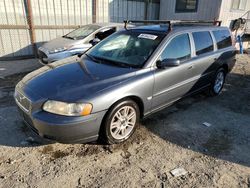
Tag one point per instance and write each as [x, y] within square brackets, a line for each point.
[47, 149]
[58, 154]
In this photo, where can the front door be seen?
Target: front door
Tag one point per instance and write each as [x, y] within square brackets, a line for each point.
[204, 60]
[171, 83]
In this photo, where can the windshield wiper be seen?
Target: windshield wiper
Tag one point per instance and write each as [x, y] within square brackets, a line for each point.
[65, 36]
[92, 58]
[108, 61]
[80, 37]
[116, 63]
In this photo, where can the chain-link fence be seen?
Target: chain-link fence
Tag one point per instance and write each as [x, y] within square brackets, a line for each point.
[26, 24]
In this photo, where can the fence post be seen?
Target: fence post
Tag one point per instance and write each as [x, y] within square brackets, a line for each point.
[146, 10]
[31, 27]
[94, 10]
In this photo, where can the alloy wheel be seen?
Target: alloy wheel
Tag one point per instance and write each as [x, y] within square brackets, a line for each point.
[123, 122]
[219, 82]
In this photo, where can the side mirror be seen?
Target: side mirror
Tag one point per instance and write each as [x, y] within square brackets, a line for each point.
[167, 63]
[94, 41]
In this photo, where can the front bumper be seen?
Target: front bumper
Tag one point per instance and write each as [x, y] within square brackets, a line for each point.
[64, 129]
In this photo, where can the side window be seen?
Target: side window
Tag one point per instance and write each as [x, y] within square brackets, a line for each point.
[223, 38]
[105, 33]
[186, 5]
[178, 48]
[203, 42]
[238, 4]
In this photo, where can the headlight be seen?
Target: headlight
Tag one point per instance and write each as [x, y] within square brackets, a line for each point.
[67, 109]
[57, 50]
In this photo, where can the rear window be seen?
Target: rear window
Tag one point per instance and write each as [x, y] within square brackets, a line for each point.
[223, 38]
[203, 42]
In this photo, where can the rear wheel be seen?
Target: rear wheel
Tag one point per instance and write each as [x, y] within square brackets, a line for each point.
[121, 122]
[218, 82]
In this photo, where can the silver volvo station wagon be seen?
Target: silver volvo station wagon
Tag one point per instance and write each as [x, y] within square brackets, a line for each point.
[127, 76]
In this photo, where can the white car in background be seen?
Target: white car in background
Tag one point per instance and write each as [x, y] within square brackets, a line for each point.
[76, 42]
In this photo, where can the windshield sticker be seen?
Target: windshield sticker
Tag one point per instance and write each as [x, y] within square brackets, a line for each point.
[147, 36]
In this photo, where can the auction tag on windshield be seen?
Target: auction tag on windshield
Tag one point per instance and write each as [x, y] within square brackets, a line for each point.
[147, 36]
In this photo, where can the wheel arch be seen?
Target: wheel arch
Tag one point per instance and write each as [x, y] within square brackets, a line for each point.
[134, 98]
[225, 67]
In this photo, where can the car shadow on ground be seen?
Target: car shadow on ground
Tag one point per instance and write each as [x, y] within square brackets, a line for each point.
[22, 53]
[227, 137]
[14, 132]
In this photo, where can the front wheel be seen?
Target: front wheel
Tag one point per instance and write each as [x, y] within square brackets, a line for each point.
[121, 122]
[217, 83]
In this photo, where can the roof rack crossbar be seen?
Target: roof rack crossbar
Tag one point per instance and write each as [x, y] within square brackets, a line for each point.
[172, 22]
[126, 22]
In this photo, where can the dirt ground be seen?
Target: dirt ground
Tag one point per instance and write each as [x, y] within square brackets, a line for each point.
[215, 156]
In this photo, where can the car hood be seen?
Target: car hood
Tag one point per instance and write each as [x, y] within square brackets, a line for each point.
[75, 80]
[59, 43]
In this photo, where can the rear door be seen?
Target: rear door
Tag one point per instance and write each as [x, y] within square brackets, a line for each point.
[225, 50]
[203, 62]
[171, 83]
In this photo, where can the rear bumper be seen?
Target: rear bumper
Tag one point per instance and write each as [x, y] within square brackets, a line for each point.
[65, 129]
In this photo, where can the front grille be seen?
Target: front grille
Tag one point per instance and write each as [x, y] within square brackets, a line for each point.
[23, 101]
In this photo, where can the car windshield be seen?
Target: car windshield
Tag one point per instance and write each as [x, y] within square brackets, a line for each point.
[126, 48]
[82, 32]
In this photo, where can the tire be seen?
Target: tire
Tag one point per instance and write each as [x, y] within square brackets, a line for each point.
[217, 83]
[117, 127]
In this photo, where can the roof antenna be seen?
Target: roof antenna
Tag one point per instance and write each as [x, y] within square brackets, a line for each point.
[170, 27]
[125, 24]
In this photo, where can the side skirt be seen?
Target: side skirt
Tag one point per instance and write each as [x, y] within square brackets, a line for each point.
[172, 102]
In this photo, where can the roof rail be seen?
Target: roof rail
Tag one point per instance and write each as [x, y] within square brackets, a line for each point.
[172, 22]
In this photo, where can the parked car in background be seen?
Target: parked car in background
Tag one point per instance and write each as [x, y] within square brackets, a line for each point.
[77, 41]
[129, 75]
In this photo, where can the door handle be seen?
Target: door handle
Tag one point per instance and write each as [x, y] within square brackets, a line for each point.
[190, 67]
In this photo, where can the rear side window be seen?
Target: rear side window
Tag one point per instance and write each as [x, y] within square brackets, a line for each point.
[223, 38]
[178, 48]
[203, 42]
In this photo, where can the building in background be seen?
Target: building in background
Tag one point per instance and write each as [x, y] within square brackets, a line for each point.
[225, 10]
